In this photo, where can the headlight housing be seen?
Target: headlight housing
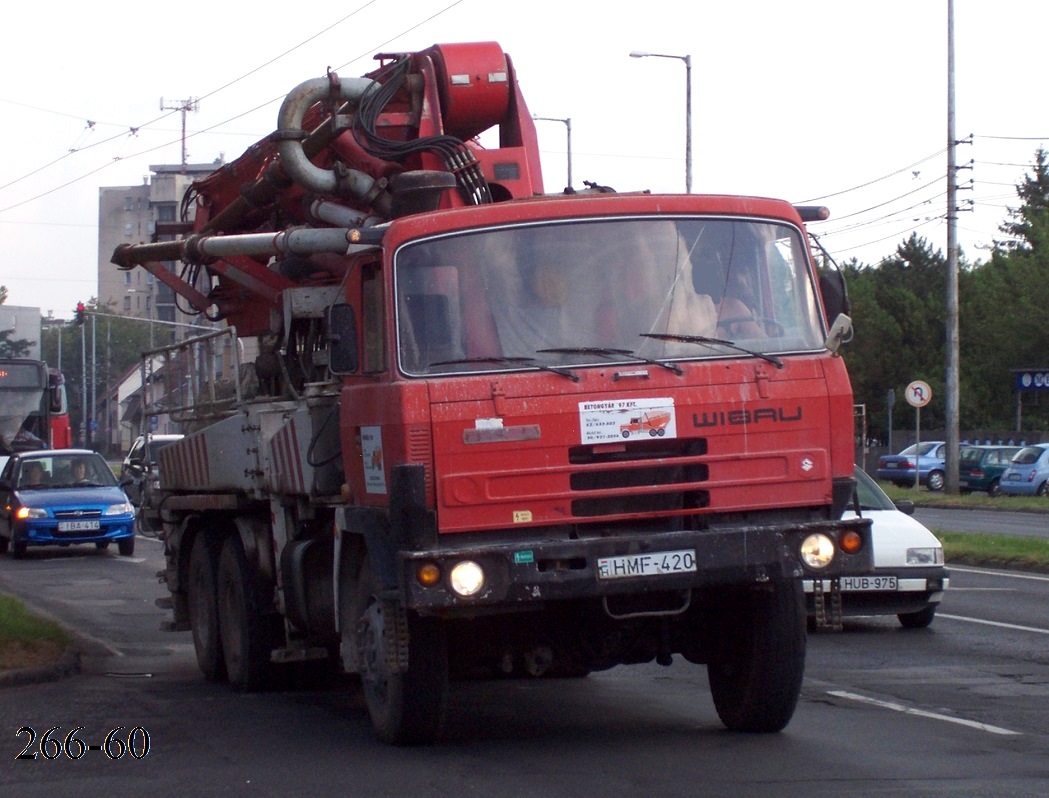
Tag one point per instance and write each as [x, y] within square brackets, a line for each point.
[22, 513]
[466, 578]
[931, 555]
[124, 508]
[817, 551]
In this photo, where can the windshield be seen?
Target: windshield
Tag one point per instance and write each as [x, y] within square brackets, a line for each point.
[74, 470]
[870, 496]
[594, 289]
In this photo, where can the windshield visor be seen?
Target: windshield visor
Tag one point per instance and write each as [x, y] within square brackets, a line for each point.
[595, 289]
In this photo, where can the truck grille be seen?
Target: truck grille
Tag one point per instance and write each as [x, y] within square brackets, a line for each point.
[642, 464]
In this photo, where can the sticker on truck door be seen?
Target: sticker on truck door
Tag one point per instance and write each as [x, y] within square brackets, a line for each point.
[627, 419]
[371, 449]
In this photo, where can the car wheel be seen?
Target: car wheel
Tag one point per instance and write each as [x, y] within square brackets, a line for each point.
[1043, 489]
[126, 546]
[935, 480]
[995, 489]
[919, 619]
[101, 545]
[18, 549]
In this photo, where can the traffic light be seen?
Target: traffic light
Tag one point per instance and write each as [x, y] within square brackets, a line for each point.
[79, 312]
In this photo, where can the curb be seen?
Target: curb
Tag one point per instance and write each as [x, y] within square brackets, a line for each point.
[66, 665]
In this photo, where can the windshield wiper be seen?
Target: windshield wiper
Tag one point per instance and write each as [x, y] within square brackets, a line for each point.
[521, 361]
[604, 352]
[705, 341]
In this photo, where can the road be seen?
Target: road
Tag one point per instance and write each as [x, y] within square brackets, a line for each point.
[1002, 522]
[954, 710]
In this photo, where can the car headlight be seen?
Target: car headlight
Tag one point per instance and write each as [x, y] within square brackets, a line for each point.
[124, 508]
[22, 513]
[466, 578]
[932, 555]
[817, 551]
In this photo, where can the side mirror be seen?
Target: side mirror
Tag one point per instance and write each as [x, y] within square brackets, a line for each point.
[137, 470]
[834, 293]
[840, 333]
[905, 506]
[342, 339]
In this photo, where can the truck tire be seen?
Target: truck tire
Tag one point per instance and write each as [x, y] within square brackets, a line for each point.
[243, 630]
[758, 660]
[406, 705]
[203, 610]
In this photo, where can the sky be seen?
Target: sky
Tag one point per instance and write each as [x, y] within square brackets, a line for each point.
[834, 102]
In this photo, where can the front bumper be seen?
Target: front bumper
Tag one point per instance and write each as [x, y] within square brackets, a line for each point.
[916, 588]
[45, 532]
[530, 572]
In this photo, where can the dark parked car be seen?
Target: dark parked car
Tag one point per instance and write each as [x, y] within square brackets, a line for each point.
[63, 496]
[981, 467]
[929, 457]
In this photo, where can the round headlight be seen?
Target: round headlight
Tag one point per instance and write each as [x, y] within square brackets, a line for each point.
[466, 578]
[817, 551]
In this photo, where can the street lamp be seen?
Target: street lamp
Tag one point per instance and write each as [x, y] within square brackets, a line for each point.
[688, 108]
[568, 126]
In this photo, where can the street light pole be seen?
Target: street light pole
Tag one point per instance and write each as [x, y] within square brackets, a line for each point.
[150, 294]
[688, 108]
[568, 125]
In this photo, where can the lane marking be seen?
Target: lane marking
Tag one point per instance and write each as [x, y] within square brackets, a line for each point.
[1010, 574]
[924, 713]
[999, 624]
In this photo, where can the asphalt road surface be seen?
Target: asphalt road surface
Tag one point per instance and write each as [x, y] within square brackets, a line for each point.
[958, 709]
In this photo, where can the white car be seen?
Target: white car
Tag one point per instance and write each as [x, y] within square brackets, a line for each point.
[909, 576]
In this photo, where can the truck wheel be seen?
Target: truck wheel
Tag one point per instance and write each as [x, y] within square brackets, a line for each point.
[4, 543]
[242, 628]
[758, 661]
[406, 704]
[18, 549]
[203, 611]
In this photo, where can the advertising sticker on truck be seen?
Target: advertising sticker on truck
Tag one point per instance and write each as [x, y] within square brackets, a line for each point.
[623, 419]
[371, 448]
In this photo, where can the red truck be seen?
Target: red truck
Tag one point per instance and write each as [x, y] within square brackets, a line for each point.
[423, 474]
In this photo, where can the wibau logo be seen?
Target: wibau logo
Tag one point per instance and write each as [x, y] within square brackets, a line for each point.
[730, 418]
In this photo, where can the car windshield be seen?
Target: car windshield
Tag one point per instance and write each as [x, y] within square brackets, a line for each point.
[599, 291]
[65, 471]
[870, 496]
[1028, 455]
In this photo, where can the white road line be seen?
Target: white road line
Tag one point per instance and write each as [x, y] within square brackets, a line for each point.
[1017, 627]
[922, 712]
[1009, 574]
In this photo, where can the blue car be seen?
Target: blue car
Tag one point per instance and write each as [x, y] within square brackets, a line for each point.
[1028, 473]
[60, 497]
[929, 457]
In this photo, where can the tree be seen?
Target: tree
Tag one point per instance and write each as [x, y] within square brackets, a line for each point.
[12, 347]
[1029, 224]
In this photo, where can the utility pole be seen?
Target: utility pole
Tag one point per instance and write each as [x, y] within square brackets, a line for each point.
[953, 426]
[184, 106]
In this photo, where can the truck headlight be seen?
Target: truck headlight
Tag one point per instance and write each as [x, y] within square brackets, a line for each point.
[817, 550]
[466, 578]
